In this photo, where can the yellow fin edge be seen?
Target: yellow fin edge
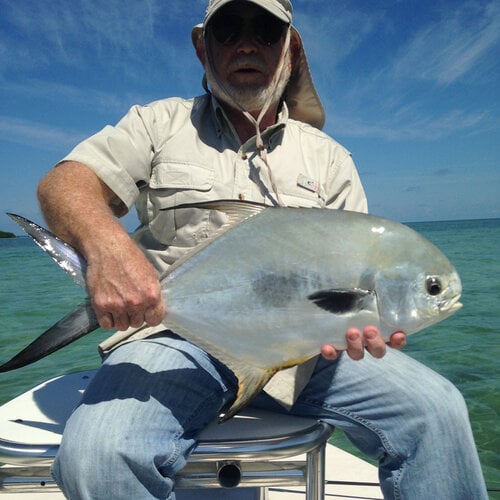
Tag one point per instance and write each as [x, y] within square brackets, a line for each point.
[251, 381]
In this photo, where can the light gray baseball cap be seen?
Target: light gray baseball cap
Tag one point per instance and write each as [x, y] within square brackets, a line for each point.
[282, 9]
[302, 98]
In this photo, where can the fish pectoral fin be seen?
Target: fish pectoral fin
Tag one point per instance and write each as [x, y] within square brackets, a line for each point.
[344, 300]
[250, 382]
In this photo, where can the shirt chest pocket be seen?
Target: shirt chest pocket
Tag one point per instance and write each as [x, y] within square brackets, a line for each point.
[174, 183]
[170, 178]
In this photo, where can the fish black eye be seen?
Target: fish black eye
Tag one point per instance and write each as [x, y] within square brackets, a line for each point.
[434, 286]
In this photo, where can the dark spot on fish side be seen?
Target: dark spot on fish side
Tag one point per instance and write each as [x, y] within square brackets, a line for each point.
[341, 301]
[276, 290]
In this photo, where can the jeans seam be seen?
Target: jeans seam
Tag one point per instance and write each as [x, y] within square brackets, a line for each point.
[192, 417]
[385, 442]
[356, 418]
[202, 405]
[397, 481]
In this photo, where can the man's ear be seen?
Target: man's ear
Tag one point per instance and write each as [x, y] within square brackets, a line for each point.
[201, 50]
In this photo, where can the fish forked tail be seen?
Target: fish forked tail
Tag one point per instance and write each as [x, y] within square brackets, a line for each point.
[61, 252]
[74, 325]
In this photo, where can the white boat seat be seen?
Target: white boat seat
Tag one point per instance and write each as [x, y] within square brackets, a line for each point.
[252, 451]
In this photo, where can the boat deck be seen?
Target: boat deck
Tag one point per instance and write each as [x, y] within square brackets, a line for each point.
[33, 422]
[347, 478]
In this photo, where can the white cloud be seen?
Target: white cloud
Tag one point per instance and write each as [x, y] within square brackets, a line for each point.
[407, 92]
[448, 49]
[65, 95]
[130, 39]
[334, 34]
[38, 134]
[406, 124]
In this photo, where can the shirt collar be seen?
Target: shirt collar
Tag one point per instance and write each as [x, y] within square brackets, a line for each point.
[223, 124]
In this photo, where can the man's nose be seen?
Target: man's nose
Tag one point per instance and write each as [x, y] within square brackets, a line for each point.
[247, 42]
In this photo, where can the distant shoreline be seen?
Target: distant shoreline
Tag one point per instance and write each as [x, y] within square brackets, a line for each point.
[4, 234]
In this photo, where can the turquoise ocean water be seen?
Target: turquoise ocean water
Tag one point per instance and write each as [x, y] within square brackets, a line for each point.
[34, 293]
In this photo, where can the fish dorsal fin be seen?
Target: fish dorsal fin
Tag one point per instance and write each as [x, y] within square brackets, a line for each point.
[237, 212]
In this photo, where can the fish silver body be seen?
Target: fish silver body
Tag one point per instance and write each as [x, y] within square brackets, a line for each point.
[271, 291]
[275, 284]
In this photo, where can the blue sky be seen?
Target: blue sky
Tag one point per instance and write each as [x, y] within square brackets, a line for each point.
[410, 87]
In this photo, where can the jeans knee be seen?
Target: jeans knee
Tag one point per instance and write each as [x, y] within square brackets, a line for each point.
[448, 399]
[95, 463]
[77, 463]
[441, 407]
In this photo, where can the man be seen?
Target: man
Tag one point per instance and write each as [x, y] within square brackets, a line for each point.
[254, 136]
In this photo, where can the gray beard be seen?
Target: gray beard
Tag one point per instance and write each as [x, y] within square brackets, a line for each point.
[249, 98]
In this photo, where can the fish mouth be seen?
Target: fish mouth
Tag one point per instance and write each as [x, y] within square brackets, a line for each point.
[451, 306]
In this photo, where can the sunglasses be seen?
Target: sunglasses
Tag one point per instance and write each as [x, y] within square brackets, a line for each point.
[228, 28]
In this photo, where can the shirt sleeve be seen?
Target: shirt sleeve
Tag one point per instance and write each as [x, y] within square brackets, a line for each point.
[345, 189]
[121, 155]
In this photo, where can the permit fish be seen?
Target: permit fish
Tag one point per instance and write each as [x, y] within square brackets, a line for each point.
[275, 283]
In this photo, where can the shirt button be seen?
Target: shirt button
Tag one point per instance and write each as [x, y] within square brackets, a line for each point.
[241, 196]
[244, 156]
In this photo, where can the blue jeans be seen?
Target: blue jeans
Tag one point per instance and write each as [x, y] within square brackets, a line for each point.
[140, 416]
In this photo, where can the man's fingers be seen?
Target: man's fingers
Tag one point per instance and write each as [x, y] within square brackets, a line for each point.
[329, 352]
[111, 321]
[122, 320]
[370, 339]
[154, 315]
[355, 348]
[106, 321]
[133, 309]
[397, 340]
[136, 319]
[374, 342]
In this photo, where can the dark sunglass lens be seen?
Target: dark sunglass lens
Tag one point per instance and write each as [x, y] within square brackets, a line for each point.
[226, 28]
[267, 29]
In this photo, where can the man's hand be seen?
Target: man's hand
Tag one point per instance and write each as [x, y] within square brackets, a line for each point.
[80, 208]
[370, 339]
[124, 288]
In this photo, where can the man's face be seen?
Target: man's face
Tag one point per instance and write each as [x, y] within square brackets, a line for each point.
[245, 44]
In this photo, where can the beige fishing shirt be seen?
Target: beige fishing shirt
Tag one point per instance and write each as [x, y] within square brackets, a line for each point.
[176, 151]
